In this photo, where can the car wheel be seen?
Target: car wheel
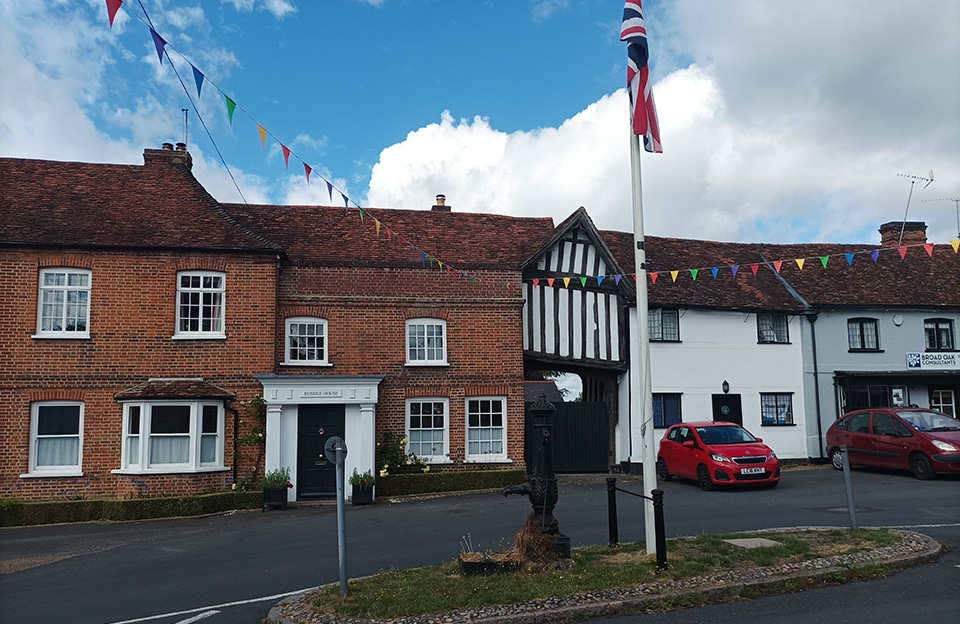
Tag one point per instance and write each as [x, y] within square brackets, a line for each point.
[703, 478]
[836, 458]
[921, 467]
[662, 472]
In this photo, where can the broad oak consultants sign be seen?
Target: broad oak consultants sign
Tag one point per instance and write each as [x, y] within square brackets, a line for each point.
[933, 361]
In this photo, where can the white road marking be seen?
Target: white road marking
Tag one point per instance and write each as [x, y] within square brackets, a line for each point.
[217, 606]
[197, 618]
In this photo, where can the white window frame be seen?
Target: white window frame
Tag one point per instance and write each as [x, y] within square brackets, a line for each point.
[774, 317]
[287, 347]
[425, 322]
[217, 332]
[944, 400]
[143, 411]
[444, 456]
[64, 289]
[485, 457]
[72, 470]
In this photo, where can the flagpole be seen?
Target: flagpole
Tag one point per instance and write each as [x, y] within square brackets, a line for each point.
[642, 351]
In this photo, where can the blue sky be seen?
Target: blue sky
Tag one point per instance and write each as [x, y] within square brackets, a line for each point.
[781, 122]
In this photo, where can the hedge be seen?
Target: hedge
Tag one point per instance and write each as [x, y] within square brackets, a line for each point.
[23, 514]
[427, 482]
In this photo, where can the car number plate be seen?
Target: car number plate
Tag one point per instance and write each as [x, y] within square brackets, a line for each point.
[752, 470]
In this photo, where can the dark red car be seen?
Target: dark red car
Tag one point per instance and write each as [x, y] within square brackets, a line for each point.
[716, 453]
[921, 440]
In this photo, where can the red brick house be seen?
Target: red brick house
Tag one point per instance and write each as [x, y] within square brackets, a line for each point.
[136, 312]
[144, 311]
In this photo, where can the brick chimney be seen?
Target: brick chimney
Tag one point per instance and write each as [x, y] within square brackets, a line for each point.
[441, 205]
[168, 156]
[914, 233]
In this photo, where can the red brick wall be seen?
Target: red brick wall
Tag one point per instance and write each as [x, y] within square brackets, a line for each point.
[132, 320]
[366, 311]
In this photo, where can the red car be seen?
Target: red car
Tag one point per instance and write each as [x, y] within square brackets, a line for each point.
[716, 453]
[921, 440]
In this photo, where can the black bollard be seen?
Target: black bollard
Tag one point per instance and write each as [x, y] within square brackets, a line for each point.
[659, 530]
[612, 512]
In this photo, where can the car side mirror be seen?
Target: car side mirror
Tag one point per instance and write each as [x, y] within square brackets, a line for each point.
[690, 444]
[759, 439]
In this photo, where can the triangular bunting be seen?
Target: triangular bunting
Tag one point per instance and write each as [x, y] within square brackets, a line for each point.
[286, 155]
[263, 136]
[674, 275]
[903, 252]
[423, 258]
[875, 255]
[550, 281]
[777, 264]
[198, 78]
[583, 282]
[112, 7]
[849, 258]
[616, 278]
[307, 169]
[734, 268]
[715, 271]
[231, 106]
[693, 273]
[599, 279]
[330, 191]
[377, 223]
[800, 262]
[824, 260]
[566, 282]
[361, 215]
[536, 282]
[653, 277]
[159, 42]
[956, 245]
[929, 248]
[754, 267]
[346, 203]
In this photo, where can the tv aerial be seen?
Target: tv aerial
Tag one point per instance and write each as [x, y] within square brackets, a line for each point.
[913, 180]
[956, 201]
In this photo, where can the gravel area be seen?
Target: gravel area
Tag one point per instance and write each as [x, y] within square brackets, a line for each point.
[913, 549]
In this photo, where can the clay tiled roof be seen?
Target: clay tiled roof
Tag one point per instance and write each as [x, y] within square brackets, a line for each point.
[186, 388]
[917, 280]
[328, 236]
[156, 205]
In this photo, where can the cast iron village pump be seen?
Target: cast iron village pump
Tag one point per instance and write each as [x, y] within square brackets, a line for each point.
[542, 489]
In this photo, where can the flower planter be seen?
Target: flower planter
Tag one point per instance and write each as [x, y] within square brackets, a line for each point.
[274, 497]
[362, 495]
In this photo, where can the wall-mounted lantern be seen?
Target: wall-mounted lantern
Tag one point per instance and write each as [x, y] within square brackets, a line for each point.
[725, 386]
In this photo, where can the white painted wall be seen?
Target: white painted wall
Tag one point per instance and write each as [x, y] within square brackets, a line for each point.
[716, 346]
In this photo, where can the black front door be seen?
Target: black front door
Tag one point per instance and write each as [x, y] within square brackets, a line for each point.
[726, 407]
[317, 477]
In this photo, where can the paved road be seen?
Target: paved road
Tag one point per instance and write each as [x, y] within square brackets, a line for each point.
[232, 568]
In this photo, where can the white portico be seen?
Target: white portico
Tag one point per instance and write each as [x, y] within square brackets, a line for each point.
[303, 411]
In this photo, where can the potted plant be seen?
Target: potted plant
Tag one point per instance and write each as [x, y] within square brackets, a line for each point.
[275, 486]
[362, 487]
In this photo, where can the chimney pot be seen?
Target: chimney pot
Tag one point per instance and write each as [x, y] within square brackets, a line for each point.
[181, 147]
[168, 147]
[441, 205]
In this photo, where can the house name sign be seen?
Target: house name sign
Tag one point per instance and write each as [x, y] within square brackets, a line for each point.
[322, 393]
[933, 361]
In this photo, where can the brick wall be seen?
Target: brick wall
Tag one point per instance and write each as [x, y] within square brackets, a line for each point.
[366, 311]
[132, 320]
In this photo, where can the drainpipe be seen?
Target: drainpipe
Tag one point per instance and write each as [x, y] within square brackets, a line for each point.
[812, 317]
[236, 441]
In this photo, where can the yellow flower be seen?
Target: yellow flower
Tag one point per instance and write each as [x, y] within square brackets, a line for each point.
[233, 487]
[404, 441]
[426, 468]
[383, 472]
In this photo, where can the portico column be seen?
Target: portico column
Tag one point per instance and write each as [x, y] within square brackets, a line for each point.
[366, 456]
[273, 446]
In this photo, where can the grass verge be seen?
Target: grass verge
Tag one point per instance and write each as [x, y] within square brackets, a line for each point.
[442, 588]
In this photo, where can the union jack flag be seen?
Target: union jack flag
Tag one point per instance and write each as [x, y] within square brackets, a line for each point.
[634, 32]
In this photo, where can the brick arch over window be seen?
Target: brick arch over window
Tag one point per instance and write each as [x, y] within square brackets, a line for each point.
[55, 395]
[436, 313]
[71, 262]
[305, 310]
[202, 264]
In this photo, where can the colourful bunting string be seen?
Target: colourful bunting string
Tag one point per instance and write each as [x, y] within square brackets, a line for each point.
[693, 273]
[231, 106]
[849, 258]
[754, 267]
[956, 245]
[286, 155]
[159, 42]
[263, 136]
[824, 260]
[653, 277]
[929, 248]
[112, 7]
[583, 282]
[616, 278]
[566, 282]
[800, 262]
[307, 169]
[198, 78]
[715, 271]
[776, 265]
[734, 269]
[875, 255]
[903, 252]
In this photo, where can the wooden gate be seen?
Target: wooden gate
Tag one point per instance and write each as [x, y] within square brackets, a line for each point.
[580, 437]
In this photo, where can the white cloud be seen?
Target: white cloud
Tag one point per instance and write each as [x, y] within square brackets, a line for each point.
[787, 126]
[278, 8]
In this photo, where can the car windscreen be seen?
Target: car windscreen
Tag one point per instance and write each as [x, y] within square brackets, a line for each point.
[724, 435]
[930, 421]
